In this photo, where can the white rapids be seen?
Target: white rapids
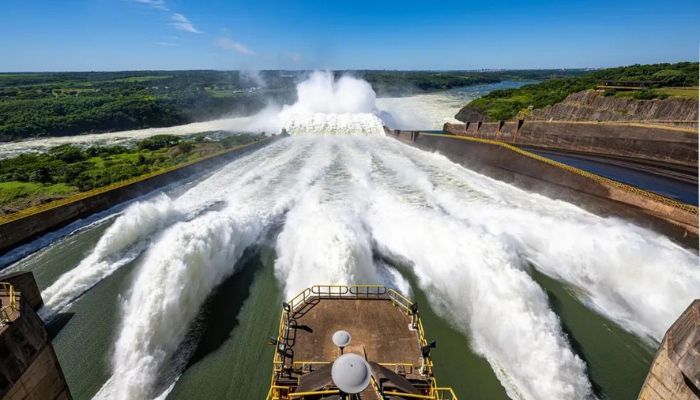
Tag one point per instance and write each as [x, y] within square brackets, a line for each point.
[337, 204]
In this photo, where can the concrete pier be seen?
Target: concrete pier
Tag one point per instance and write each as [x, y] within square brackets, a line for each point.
[29, 368]
[675, 372]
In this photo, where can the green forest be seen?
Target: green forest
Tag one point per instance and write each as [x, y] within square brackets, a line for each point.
[35, 178]
[659, 81]
[58, 104]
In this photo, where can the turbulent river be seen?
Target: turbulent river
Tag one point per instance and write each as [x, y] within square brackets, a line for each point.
[528, 297]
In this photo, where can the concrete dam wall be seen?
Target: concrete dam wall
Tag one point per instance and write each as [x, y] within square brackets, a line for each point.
[664, 146]
[29, 368]
[675, 372]
[30, 223]
[532, 172]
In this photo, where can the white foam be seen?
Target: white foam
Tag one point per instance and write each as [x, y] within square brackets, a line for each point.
[634, 276]
[136, 224]
[176, 277]
[192, 257]
[318, 124]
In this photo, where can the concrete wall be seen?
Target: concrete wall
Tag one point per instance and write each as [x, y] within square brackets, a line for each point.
[531, 174]
[650, 143]
[29, 368]
[26, 228]
[24, 283]
[675, 372]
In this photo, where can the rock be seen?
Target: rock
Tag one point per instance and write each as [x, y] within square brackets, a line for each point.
[589, 105]
[469, 114]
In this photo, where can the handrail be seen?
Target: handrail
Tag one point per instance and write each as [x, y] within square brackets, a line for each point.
[316, 393]
[7, 311]
[436, 392]
[360, 291]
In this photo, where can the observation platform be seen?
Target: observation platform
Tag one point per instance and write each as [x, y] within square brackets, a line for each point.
[386, 332]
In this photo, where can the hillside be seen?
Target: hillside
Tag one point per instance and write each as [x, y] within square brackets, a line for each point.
[660, 81]
[590, 105]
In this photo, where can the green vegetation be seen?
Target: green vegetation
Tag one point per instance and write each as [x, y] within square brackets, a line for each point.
[665, 80]
[685, 92]
[13, 191]
[57, 104]
[35, 178]
[403, 83]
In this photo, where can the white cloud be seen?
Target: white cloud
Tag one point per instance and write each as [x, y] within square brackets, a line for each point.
[157, 4]
[230, 44]
[181, 22]
[177, 20]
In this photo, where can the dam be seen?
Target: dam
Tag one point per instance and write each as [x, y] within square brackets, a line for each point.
[528, 290]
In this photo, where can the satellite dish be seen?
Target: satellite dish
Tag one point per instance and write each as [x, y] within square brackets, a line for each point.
[351, 373]
[341, 338]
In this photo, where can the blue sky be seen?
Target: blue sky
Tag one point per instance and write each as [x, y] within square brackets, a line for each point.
[72, 35]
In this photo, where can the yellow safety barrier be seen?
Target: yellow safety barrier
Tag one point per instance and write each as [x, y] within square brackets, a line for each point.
[628, 188]
[349, 291]
[320, 392]
[7, 311]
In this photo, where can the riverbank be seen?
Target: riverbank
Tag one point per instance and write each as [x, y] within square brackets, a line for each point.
[37, 178]
[26, 224]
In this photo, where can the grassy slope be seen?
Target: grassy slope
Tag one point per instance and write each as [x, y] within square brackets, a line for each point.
[13, 191]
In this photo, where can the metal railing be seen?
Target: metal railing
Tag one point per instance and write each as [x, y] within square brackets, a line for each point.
[278, 392]
[6, 312]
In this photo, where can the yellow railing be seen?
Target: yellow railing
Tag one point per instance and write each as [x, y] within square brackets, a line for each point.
[277, 392]
[7, 290]
[442, 393]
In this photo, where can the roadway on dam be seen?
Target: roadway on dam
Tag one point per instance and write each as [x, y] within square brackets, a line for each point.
[679, 188]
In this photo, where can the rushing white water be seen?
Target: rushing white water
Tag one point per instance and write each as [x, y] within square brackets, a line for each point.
[341, 201]
[233, 124]
[138, 223]
[335, 125]
[329, 107]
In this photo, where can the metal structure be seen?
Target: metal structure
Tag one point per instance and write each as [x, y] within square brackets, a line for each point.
[387, 336]
[8, 302]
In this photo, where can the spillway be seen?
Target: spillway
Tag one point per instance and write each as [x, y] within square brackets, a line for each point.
[349, 205]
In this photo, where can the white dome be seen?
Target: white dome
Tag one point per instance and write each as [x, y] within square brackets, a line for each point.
[341, 338]
[351, 373]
